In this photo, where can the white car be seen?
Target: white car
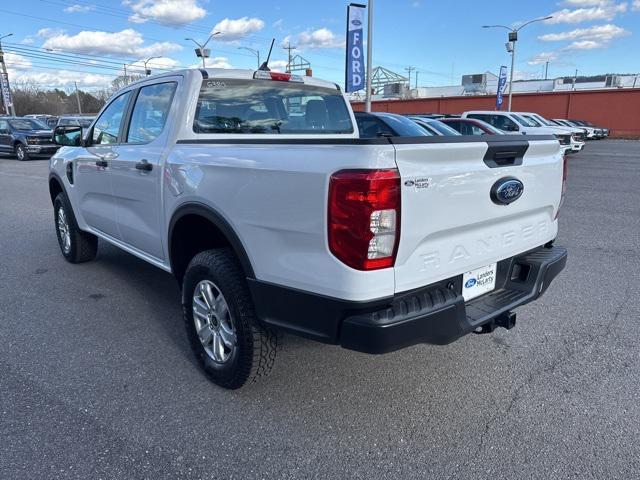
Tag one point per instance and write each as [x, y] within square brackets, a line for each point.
[578, 135]
[255, 190]
[514, 122]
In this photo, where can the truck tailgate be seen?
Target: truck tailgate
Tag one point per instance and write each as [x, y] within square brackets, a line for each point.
[449, 222]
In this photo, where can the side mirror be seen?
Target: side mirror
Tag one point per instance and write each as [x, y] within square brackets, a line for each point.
[68, 136]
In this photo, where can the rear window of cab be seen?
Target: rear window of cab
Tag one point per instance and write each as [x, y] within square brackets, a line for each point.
[270, 107]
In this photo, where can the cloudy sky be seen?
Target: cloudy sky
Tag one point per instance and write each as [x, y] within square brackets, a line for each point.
[57, 42]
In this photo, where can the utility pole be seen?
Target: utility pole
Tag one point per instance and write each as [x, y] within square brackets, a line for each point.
[78, 98]
[9, 109]
[369, 53]
[575, 79]
[546, 70]
[289, 48]
[409, 70]
[417, 73]
[511, 47]
[125, 74]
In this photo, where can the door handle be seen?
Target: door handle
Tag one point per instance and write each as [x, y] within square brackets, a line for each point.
[102, 163]
[144, 166]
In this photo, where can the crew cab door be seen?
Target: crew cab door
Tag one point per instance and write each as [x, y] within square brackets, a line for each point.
[93, 165]
[137, 169]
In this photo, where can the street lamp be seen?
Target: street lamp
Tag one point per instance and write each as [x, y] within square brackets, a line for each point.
[252, 50]
[201, 51]
[511, 46]
[146, 70]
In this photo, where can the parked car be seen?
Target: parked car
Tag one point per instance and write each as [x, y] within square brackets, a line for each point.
[600, 131]
[434, 127]
[25, 138]
[81, 121]
[590, 133]
[578, 136]
[514, 123]
[471, 126]
[256, 191]
[381, 124]
[49, 120]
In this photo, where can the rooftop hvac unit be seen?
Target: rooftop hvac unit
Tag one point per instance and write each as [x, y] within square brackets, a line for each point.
[395, 90]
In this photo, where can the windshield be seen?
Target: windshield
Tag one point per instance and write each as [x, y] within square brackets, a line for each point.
[533, 120]
[523, 121]
[270, 107]
[441, 128]
[543, 121]
[27, 124]
[403, 126]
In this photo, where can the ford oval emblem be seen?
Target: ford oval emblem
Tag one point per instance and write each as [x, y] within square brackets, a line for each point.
[506, 190]
[470, 283]
[356, 22]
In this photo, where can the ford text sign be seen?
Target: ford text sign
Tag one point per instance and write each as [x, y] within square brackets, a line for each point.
[355, 69]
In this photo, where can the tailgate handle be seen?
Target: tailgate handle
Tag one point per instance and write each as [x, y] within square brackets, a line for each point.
[505, 158]
[507, 153]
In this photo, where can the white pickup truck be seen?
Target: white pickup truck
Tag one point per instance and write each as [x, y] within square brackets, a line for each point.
[255, 191]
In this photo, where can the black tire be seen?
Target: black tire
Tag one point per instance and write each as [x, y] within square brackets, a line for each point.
[255, 351]
[20, 152]
[83, 246]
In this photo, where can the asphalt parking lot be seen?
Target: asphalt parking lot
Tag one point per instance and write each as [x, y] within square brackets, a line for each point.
[97, 379]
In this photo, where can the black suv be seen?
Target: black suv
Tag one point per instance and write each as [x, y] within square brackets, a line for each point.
[25, 138]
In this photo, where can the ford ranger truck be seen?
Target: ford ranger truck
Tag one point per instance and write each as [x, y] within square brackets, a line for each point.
[254, 189]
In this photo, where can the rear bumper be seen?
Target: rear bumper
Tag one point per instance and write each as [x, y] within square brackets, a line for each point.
[436, 314]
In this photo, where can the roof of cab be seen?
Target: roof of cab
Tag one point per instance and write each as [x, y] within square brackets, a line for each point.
[230, 74]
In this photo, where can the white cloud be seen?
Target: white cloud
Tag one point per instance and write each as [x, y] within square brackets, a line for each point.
[28, 40]
[603, 33]
[636, 5]
[321, 38]
[602, 10]
[584, 3]
[585, 45]
[174, 13]
[542, 58]
[49, 32]
[21, 70]
[278, 65]
[234, 29]
[214, 62]
[125, 42]
[79, 8]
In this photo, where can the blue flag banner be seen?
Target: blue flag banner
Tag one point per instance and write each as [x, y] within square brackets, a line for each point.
[502, 83]
[355, 68]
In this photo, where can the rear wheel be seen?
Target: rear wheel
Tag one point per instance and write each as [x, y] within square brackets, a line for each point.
[76, 246]
[225, 335]
[21, 152]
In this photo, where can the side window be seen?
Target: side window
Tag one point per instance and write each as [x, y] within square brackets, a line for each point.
[371, 127]
[4, 126]
[483, 117]
[150, 112]
[503, 123]
[107, 127]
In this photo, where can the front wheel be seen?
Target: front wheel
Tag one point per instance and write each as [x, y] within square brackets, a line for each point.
[76, 246]
[21, 152]
[225, 335]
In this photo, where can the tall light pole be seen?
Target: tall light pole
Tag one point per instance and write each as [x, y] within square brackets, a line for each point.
[9, 109]
[201, 51]
[511, 47]
[147, 71]
[252, 50]
[369, 50]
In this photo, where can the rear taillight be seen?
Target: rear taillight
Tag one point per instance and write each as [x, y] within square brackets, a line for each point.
[364, 217]
[565, 173]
